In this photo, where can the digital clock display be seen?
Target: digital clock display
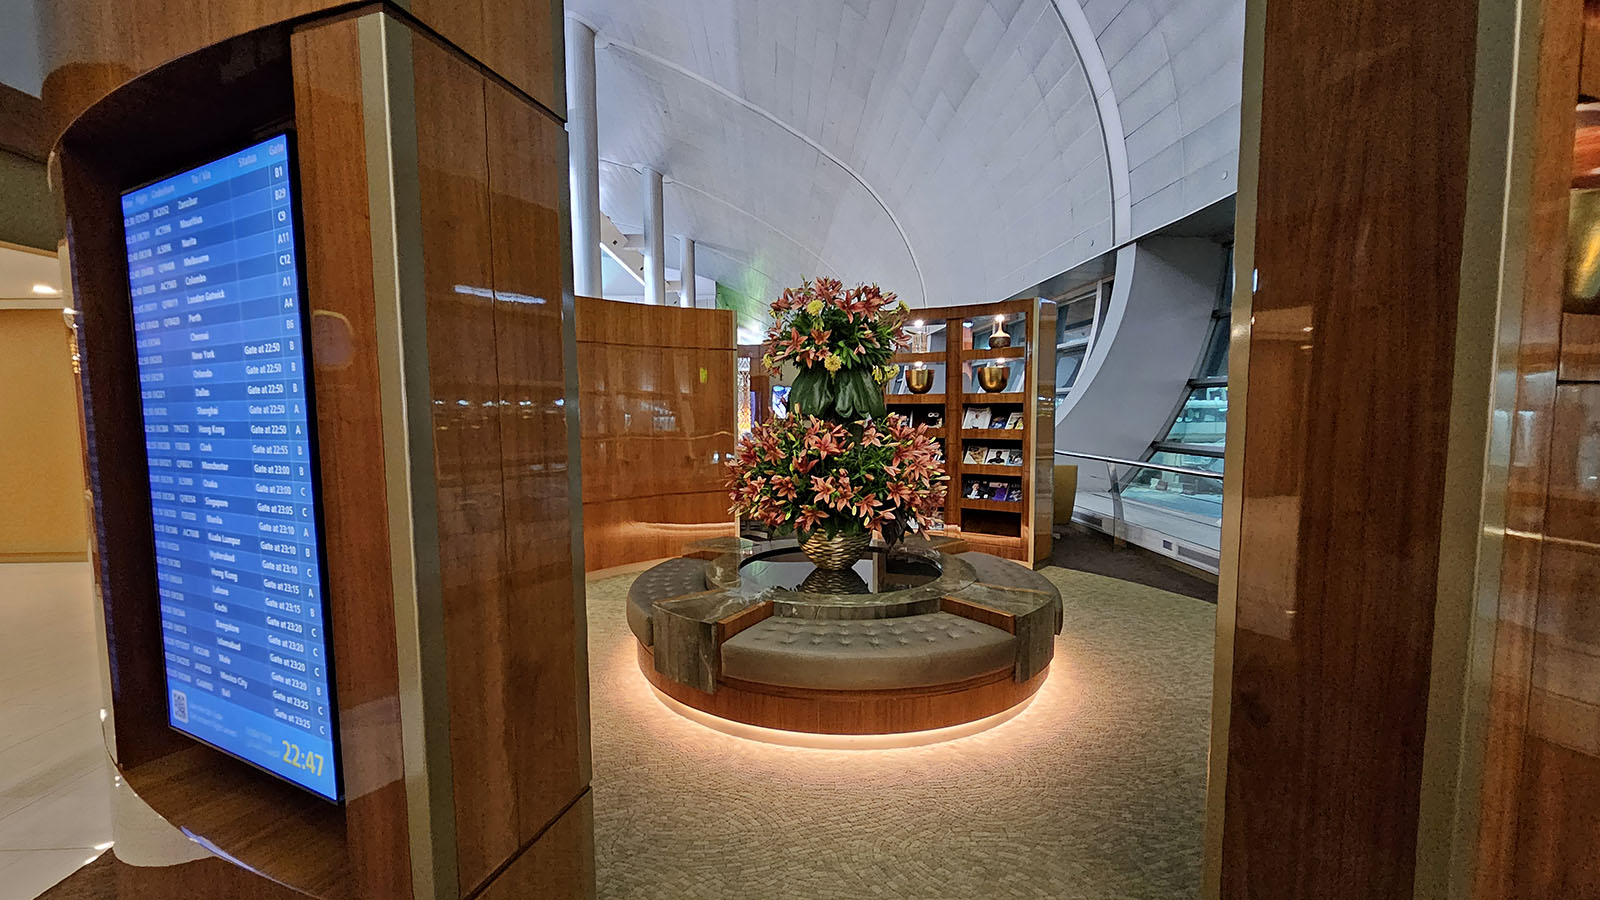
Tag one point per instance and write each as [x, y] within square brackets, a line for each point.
[219, 326]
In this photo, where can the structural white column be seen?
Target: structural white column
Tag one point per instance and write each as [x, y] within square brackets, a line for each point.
[655, 264]
[686, 292]
[583, 159]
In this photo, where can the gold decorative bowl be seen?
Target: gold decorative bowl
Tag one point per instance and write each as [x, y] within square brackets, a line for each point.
[999, 340]
[919, 380]
[993, 378]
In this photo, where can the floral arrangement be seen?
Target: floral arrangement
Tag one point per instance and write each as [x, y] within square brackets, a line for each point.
[883, 478]
[842, 341]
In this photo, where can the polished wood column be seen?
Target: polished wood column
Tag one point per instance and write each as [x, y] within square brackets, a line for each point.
[1357, 216]
[433, 198]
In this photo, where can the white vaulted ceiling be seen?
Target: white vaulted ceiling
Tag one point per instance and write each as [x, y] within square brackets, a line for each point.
[951, 150]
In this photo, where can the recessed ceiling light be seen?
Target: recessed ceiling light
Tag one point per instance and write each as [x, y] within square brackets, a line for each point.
[46, 289]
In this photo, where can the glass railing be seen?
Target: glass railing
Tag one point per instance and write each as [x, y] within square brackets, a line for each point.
[1145, 501]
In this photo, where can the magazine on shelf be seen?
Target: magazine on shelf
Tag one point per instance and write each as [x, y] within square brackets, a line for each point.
[933, 418]
[974, 454]
[1014, 457]
[999, 421]
[976, 417]
[1015, 420]
[999, 490]
[995, 456]
[975, 491]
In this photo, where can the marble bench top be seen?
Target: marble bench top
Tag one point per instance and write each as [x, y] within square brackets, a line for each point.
[688, 620]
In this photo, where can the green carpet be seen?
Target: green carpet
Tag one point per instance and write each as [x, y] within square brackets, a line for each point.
[1095, 791]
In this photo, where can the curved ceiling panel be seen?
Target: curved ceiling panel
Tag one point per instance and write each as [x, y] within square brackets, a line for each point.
[770, 206]
[949, 150]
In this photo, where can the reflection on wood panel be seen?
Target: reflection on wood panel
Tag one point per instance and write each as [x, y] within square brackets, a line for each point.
[559, 865]
[333, 177]
[527, 175]
[1342, 478]
[93, 46]
[657, 410]
[1580, 347]
[454, 193]
[1540, 772]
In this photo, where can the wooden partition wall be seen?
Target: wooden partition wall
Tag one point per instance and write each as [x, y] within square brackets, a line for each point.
[658, 427]
[1537, 805]
[433, 195]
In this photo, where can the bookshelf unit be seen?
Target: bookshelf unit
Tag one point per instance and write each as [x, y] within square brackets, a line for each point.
[1014, 528]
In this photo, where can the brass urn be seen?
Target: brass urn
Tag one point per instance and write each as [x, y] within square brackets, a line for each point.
[999, 340]
[919, 380]
[994, 377]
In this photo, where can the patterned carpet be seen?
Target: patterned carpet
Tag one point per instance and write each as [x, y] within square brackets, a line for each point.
[1095, 791]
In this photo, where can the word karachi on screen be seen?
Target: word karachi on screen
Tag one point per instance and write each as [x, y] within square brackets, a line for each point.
[222, 363]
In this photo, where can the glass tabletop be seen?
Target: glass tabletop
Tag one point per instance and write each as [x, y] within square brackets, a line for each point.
[880, 571]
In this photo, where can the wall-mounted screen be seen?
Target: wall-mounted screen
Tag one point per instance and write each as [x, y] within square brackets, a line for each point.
[223, 374]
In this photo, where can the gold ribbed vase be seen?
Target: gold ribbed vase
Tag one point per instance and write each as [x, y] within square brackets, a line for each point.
[833, 553]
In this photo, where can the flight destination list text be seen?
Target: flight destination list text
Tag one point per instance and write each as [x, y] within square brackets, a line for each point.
[221, 364]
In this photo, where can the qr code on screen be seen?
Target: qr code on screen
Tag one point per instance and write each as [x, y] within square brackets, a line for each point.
[180, 706]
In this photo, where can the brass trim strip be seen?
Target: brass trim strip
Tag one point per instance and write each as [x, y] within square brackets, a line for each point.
[1239, 328]
[571, 406]
[400, 299]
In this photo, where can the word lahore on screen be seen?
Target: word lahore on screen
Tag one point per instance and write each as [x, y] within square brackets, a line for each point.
[222, 374]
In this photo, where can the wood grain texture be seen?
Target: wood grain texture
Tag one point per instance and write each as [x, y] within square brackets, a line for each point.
[850, 712]
[339, 267]
[1343, 475]
[1501, 811]
[464, 380]
[527, 180]
[271, 829]
[1580, 347]
[657, 412]
[91, 47]
[22, 124]
[558, 866]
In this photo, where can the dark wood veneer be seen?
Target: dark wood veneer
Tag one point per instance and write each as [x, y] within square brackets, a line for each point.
[1358, 233]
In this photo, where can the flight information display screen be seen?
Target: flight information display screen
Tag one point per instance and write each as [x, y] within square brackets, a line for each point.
[219, 326]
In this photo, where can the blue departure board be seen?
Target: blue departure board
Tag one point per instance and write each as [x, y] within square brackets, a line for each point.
[219, 326]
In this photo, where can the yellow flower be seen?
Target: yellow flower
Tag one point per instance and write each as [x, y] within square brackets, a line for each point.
[879, 376]
[890, 371]
[833, 363]
[814, 307]
[766, 360]
[901, 306]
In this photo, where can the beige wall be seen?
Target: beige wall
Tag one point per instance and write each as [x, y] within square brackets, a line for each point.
[42, 514]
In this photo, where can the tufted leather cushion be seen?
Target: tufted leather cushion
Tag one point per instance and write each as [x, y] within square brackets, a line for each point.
[673, 578]
[866, 654]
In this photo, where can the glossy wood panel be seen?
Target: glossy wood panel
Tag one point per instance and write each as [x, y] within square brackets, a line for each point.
[1342, 478]
[464, 380]
[1580, 347]
[1501, 811]
[339, 285]
[658, 410]
[850, 712]
[559, 865]
[549, 711]
[517, 39]
[22, 128]
[631, 529]
[91, 47]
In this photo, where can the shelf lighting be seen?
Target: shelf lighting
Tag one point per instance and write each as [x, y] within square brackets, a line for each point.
[46, 290]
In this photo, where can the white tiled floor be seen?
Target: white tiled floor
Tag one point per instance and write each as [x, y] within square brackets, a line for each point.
[55, 780]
